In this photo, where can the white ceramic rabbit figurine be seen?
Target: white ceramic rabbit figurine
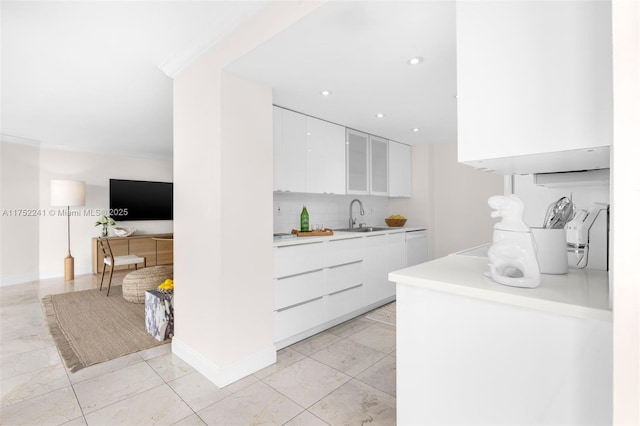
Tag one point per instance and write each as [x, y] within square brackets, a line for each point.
[512, 256]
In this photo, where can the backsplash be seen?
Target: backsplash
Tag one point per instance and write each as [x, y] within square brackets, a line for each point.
[332, 211]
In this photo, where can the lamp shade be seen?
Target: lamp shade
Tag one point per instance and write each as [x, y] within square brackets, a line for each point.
[67, 193]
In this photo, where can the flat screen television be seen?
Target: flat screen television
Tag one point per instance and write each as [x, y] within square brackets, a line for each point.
[140, 200]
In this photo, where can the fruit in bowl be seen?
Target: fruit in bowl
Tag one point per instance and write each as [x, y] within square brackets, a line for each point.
[396, 221]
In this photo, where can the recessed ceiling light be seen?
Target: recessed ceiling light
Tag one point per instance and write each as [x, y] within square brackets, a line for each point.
[325, 93]
[415, 60]
[415, 129]
[379, 115]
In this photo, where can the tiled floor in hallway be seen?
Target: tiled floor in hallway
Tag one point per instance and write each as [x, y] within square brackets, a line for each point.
[343, 376]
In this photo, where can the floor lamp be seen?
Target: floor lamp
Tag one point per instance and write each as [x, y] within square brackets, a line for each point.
[68, 193]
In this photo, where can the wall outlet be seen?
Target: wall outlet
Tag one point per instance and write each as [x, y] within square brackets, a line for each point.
[278, 212]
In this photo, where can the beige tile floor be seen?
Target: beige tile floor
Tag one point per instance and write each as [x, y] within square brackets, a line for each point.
[343, 376]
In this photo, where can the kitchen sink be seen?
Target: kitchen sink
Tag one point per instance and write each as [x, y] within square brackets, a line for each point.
[363, 229]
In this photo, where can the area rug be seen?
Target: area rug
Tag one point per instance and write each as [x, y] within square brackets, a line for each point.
[385, 314]
[88, 327]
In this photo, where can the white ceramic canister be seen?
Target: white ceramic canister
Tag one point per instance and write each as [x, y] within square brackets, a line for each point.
[552, 250]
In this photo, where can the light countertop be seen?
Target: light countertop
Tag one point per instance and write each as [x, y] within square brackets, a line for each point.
[342, 235]
[580, 293]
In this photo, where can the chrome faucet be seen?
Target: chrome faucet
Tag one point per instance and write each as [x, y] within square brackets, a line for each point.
[352, 220]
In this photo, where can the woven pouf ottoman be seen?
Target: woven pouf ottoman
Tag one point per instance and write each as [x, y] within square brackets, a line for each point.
[137, 282]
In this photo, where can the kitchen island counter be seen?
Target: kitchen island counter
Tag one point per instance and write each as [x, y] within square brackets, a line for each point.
[471, 351]
[580, 293]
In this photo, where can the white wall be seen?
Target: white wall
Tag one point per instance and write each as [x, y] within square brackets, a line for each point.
[462, 216]
[223, 150]
[450, 199]
[95, 170]
[27, 173]
[624, 210]
[419, 209]
[19, 229]
[332, 211]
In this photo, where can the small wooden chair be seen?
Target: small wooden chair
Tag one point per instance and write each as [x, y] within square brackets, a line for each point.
[113, 261]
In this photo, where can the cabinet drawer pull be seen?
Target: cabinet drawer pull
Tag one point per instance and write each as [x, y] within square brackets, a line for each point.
[299, 304]
[298, 245]
[299, 273]
[344, 264]
[345, 289]
[345, 239]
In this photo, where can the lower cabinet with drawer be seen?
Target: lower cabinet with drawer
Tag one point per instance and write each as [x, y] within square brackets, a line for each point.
[345, 301]
[293, 320]
[319, 285]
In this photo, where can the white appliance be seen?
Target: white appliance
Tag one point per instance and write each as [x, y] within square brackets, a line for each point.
[416, 244]
[587, 238]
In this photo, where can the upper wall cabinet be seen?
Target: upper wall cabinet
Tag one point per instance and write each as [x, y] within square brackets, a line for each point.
[534, 85]
[357, 162]
[325, 157]
[399, 170]
[289, 151]
[379, 166]
[308, 154]
[367, 164]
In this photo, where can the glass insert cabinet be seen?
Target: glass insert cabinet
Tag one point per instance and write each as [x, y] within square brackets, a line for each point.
[367, 164]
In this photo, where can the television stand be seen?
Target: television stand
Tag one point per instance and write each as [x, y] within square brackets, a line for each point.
[156, 248]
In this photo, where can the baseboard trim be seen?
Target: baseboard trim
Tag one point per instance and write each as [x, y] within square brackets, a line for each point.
[59, 273]
[225, 375]
[19, 279]
[42, 275]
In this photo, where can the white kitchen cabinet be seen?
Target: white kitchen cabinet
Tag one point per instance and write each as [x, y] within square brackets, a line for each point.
[278, 151]
[297, 259]
[345, 301]
[342, 277]
[341, 252]
[375, 267]
[399, 169]
[367, 164]
[314, 156]
[320, 284]
[297, 289]
[325, 157]
[534, 85]
[379, 166]
[308, 154]
[336, 164]
[357, 162]
[396, 248]
[289, 151]
[299, 318]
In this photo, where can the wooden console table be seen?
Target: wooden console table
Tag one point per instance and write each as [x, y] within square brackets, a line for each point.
[156, 248]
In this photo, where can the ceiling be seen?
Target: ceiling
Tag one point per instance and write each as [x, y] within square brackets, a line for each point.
[86, 75]
[359, 51]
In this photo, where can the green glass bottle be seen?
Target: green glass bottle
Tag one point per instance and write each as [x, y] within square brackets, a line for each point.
[304, 220]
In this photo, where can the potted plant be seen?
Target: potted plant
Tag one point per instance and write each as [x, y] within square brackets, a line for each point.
[105, 221]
